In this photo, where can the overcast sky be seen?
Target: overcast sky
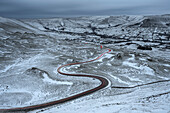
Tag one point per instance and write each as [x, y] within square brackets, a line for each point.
[71, 8]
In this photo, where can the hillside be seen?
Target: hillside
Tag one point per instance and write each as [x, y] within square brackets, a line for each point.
[31, 50]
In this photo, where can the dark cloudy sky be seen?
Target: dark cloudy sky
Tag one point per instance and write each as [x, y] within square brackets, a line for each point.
[71, 8]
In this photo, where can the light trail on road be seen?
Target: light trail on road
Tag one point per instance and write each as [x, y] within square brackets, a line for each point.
[104, 83]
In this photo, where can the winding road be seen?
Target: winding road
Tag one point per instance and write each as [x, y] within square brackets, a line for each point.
[104, 83]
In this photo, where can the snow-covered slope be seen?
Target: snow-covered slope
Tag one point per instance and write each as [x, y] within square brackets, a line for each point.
[32, 49]
[13, 25]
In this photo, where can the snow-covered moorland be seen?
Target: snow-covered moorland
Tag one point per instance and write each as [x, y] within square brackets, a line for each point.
[31, 50]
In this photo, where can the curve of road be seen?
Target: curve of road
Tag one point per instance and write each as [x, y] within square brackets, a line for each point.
[104, 83]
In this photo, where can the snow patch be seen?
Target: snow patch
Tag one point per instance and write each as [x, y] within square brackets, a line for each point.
[167, 65]
[10, 66]
[51, 81]
[107, 55]
[166, 70]
[144, 69]
[118, 79]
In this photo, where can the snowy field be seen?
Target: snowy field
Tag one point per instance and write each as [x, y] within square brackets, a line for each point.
[31, 50]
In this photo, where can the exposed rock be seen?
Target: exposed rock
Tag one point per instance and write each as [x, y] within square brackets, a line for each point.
[144, 47]
[119, 56]
[36, 72]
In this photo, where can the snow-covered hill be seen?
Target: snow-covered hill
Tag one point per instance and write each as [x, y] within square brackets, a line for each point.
[32, 49]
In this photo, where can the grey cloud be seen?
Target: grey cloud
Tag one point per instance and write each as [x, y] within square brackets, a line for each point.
[55, 8]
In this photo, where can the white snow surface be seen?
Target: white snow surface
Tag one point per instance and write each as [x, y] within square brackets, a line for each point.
[51, 81]
[49, 43]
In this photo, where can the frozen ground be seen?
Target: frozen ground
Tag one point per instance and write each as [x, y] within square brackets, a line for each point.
[32, 50]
